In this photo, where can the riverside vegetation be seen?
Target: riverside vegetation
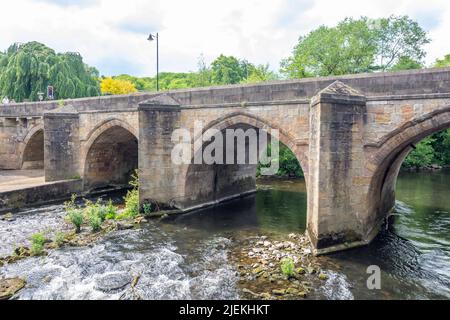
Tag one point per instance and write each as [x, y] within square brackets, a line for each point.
[90, 220]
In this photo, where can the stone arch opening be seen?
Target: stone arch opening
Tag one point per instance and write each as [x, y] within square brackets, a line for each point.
[391, 154]
[33, 154]
[210, 184]
[111, 158]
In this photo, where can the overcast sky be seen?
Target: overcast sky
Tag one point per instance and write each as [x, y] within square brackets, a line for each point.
[111, 34]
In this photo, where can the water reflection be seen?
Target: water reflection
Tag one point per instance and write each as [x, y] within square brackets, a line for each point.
[278, 207]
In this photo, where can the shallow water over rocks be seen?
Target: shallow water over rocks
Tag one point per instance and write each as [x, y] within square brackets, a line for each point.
[188, 256]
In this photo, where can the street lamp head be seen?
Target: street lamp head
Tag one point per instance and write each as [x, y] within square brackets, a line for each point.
[151, 37]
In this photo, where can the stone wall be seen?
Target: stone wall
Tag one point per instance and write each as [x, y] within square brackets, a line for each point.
[51, 192]
[14, 136]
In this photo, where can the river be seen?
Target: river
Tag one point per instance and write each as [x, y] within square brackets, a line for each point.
[187, 256]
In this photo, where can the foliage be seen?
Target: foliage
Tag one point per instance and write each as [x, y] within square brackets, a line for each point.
[202, 78]
[407, 63]
[422, 155]
[442, 63]
[74, 214]
[287, 267]
[355, 46]
[288, 163]
[26, 69]
[116, 86]
[139, 83]
[147, 208]
[95, 222]
[76, 217]
[229, 70]
[59, 238]
[397, 37]
[131, 199]
[223, 70]
[260, 73]
[441, 146]
[95, 214]
[37, 243]
[346, 48]
[432, 150]
[111, 211]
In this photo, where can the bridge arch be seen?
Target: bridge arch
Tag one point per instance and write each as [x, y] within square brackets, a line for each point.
[387, 156]
[32, 149]
[214, 183]
[109, 155]
[236, 118]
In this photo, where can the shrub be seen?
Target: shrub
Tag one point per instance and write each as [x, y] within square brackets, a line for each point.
[132, 199]
[75, 216]
[147, 208]
[111, 210]
[131, 204]
[287, 267]
[95, 213]
[96, 222]
[59, 238]
[37, 243]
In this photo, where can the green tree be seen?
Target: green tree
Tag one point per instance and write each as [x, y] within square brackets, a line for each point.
[422, 155]
[202, 78]
[347, 48]
[441, 147]
[398, 37]
[442, 63]
[228, 70]
[406, 63]
[260, 73]
[288, 163]
[356, 46]
[29, 68]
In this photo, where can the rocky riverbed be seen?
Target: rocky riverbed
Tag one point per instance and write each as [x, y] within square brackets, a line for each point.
[259, 260]
[256, 260]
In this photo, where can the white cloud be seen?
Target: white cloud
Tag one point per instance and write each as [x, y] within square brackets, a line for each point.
[111, 34]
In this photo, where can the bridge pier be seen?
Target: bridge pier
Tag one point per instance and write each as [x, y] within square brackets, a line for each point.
[161, 181]
[337, 186]
[61, 144]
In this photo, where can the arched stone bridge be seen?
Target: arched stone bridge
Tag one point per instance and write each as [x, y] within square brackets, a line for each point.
[350, 135]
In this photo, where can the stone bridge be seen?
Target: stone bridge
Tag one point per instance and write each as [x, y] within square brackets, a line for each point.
[350, 135]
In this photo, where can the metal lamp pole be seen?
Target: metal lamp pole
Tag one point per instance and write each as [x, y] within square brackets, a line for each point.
[151, 37]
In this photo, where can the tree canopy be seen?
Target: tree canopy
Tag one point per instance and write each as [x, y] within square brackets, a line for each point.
[116, 86]
[229, 70]
[356, 46]
[26, 69]
[442, 63]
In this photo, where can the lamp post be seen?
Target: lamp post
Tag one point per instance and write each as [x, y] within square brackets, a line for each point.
[151, 37]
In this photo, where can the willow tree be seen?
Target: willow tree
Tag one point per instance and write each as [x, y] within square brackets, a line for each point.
[26, 69]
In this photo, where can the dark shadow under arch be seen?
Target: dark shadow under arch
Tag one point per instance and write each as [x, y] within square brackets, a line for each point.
[33, 154]
[111, 159]
[215, 183]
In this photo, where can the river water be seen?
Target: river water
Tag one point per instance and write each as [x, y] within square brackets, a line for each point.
[187, 257]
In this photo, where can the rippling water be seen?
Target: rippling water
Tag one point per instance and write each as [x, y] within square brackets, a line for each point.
[187, 257]
[149, 257]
